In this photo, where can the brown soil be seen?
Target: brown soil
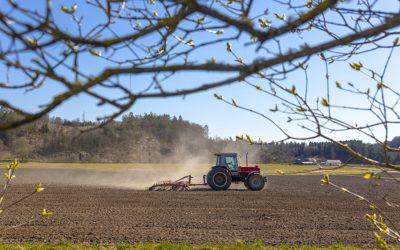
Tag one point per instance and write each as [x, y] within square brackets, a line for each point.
[292, 210]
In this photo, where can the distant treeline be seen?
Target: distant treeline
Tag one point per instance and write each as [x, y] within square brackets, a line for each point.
[153, 138]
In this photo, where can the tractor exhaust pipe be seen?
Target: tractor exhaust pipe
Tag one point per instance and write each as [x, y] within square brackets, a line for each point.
[247, 163]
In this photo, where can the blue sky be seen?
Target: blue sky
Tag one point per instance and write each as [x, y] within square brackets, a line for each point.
[202, 108]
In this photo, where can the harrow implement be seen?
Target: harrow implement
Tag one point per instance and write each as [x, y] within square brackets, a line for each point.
[182, 184]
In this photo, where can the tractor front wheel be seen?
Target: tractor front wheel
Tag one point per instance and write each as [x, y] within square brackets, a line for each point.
[255, 182]
[219, 179]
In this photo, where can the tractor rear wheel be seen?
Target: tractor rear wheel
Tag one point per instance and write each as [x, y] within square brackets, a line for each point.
[219, 179]
[255, 182]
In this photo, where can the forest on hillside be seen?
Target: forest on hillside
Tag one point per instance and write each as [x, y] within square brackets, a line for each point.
[153, 138]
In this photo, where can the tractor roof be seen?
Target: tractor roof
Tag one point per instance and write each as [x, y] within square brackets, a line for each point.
[226, 154]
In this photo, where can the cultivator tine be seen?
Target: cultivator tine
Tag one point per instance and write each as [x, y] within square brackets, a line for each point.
[170, 186]
[161, 186]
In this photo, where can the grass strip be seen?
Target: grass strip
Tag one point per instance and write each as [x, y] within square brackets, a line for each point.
[166, 246]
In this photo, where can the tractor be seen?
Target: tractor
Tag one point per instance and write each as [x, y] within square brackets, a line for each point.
[227, 170]
[220, 177]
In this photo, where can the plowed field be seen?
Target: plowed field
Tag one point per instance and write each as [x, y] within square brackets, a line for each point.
[292, 210]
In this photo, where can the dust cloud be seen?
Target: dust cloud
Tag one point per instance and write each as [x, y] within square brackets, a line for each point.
[136, 178]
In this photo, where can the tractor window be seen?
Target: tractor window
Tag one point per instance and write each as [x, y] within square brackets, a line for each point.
[231, 163]
[228, 161]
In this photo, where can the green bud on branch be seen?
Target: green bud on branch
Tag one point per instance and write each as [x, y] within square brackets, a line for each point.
[324, 102]
[219, 97]
[325, 180]
[69, 11]
[95, 53]
[46, 213]
[39, 188]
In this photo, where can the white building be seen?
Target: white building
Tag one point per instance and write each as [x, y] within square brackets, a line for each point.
[333, 162]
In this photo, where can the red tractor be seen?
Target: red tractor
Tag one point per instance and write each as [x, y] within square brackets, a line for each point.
[227, 170]
[220, 177]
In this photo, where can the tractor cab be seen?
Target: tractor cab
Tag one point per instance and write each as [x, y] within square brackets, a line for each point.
[228, 160]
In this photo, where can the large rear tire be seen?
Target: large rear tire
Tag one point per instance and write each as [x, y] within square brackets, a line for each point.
[219, 179]
[255, 182]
